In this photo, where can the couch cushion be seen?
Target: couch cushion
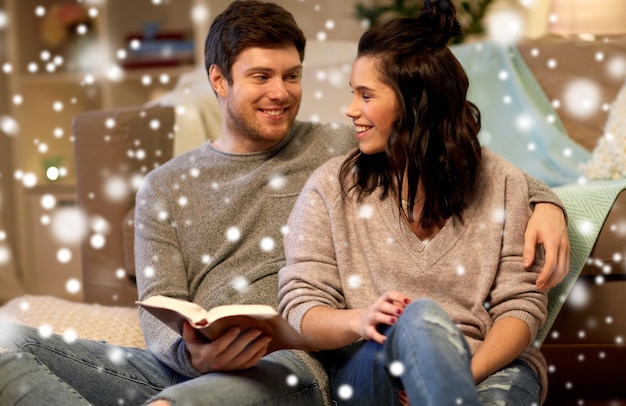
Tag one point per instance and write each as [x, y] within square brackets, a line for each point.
[113, 324]
[574, 67]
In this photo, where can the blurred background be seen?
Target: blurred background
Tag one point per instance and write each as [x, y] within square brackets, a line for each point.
[62, 57]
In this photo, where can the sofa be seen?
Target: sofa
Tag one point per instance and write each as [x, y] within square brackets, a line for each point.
[583, 343]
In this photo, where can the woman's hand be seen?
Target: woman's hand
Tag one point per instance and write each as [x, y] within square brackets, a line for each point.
[385, 310]
[234, 350]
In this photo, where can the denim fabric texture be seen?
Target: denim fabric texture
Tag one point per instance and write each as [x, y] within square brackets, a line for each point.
[426, 355]
[52, 371]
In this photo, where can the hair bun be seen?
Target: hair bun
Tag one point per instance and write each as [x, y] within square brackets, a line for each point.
[440, 17]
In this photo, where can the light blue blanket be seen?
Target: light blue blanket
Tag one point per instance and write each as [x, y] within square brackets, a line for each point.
[587, 208]
[520, 124]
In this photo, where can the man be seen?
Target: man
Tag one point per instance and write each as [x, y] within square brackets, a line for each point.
[209, 229]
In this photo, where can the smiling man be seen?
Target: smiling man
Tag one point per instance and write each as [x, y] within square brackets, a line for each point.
[260, 98]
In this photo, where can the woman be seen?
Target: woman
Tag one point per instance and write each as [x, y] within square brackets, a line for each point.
[404, 258]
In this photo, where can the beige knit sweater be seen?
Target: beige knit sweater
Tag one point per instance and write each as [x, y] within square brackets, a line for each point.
[344, 254]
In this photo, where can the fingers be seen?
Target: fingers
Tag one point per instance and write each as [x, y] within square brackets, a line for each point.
[530, 245]
[233, 350]
[403, 398]
[242, 352]
[395, 298]
[559, 272]
[263, 345]
[549, 267]
[385, 311]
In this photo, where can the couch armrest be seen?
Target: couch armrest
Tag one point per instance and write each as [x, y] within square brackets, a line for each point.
[114, 149]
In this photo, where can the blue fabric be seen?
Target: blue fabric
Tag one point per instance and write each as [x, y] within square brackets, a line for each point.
[497, 72]
[52, 371]
[426, 355]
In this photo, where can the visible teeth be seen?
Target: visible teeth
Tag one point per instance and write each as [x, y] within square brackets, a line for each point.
[360, 128]
[274, 112]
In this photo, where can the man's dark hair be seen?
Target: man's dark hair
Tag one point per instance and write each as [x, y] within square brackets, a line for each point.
[249, 23]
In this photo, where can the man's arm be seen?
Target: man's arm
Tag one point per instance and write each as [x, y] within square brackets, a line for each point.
[548, 227]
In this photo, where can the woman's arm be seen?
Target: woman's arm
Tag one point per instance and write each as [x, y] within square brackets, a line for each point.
[505, 341]
[329, 329]
[333, 328]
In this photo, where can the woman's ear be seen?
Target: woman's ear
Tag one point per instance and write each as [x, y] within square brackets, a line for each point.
[219, 83]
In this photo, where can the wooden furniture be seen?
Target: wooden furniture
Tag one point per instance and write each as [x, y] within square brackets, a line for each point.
[65, 57]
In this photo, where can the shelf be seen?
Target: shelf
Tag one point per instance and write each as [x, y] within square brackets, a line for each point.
[53, 95]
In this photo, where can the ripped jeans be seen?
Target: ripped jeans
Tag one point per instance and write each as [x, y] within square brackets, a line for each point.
[426, 355]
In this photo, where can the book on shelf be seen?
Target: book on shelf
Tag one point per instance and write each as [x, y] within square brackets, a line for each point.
[216, 321]
[159, 49]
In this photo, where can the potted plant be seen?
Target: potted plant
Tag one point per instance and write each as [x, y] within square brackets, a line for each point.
[470, 13]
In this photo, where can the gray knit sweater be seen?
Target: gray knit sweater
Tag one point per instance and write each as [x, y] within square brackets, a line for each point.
[342, 253]
[209, 226]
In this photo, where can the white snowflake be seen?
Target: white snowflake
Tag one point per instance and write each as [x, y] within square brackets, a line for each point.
[354, 281]
[366, 211]
[233, 234]
[582, 98]
[68, 225]
[396, 368]
[292, 380]
[64, 255]
[72, 286]
[267, 244]
[278, 182]
[240, 283]
[45, 330]
[460, 270]
[345, 392]
[579, 296]
[116, 355]
[585, 227]
[498, 215]
[523, 122]
[149, 272]
[70, 336]
[97, 241]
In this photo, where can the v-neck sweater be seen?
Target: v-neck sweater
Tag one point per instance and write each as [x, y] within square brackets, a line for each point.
[344, 253]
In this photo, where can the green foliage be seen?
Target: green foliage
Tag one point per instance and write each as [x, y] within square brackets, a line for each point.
[470, 13]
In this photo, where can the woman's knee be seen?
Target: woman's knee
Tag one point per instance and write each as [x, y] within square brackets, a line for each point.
[425, 321]
[424, 311]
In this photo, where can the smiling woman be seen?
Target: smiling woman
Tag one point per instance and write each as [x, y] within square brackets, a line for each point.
[373, 108]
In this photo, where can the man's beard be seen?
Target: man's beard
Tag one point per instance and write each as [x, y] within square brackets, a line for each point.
[241, 126]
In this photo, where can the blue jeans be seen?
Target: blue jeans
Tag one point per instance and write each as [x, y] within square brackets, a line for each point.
[426, 355]
[51, 371]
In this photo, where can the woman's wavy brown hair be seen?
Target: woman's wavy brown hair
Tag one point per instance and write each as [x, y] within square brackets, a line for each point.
[435, 135]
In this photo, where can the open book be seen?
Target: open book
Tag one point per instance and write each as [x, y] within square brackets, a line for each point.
[216, 321]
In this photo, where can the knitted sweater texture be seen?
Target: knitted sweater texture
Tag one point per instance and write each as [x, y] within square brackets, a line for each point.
[209, 227]
[343, 253]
